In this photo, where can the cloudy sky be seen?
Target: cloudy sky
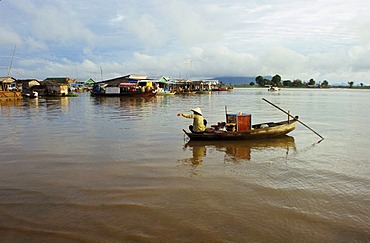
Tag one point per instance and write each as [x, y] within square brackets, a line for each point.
[319, 39]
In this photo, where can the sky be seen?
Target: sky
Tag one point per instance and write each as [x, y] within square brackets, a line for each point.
[323, 40]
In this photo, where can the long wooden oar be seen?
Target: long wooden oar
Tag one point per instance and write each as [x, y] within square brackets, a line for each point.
[293, 117]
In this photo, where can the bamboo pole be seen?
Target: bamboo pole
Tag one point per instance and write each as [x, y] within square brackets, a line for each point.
[293, 118]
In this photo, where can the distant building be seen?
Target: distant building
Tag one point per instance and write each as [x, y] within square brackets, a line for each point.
[7, 83]
[90, 81]
[54, 87]
[28, 83]
[62, 80]
[9, 90]
[131, 78]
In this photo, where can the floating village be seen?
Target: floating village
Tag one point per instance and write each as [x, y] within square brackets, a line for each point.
[129, 85]
[235, 127]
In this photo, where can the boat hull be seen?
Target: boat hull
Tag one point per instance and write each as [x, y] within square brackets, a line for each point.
[10, 95]
[124, 94]
[274, 130]
[166, 93]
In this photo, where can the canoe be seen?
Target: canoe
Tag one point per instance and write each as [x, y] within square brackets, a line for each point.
[258, 131]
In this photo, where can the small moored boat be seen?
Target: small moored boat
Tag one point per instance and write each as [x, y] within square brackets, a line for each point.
[32, 95]
[274, 89]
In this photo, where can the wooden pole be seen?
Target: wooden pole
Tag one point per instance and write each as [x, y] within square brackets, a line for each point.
[226, 113]
[293, 118]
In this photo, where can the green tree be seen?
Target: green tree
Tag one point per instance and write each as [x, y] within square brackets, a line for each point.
[287, 83]
[311, 82]
[276, 80]
[350, 84]
[251, 83]
[297, 82]
[267, 81]
[260, 81]
[325, 84]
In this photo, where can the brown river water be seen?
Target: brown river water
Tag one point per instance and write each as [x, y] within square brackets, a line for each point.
[85, 169]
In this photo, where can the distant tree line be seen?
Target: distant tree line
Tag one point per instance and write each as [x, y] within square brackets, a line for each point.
[276, 81]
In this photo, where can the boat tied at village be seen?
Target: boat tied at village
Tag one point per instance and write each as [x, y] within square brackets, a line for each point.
[142, 85]
[274, 89]
[130, 85]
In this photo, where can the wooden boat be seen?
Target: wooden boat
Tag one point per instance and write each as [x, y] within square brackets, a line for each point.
[274, 89]
[31, 95]
[257, 131]
[238, 127]
[185, 92]
[203, 92]
[166, 92]
[223, 88]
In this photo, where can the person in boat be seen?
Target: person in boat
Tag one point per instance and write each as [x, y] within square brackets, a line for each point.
[199, 123]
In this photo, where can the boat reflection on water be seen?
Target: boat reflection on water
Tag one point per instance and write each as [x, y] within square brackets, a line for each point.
[237, 151]
[9, 103]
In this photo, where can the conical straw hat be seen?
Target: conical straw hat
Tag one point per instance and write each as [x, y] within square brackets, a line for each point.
[197, 110]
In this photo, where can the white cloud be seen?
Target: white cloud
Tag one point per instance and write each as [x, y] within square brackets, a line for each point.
[296, 39]
[118, 18]
[9, 37]
[145, 29]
